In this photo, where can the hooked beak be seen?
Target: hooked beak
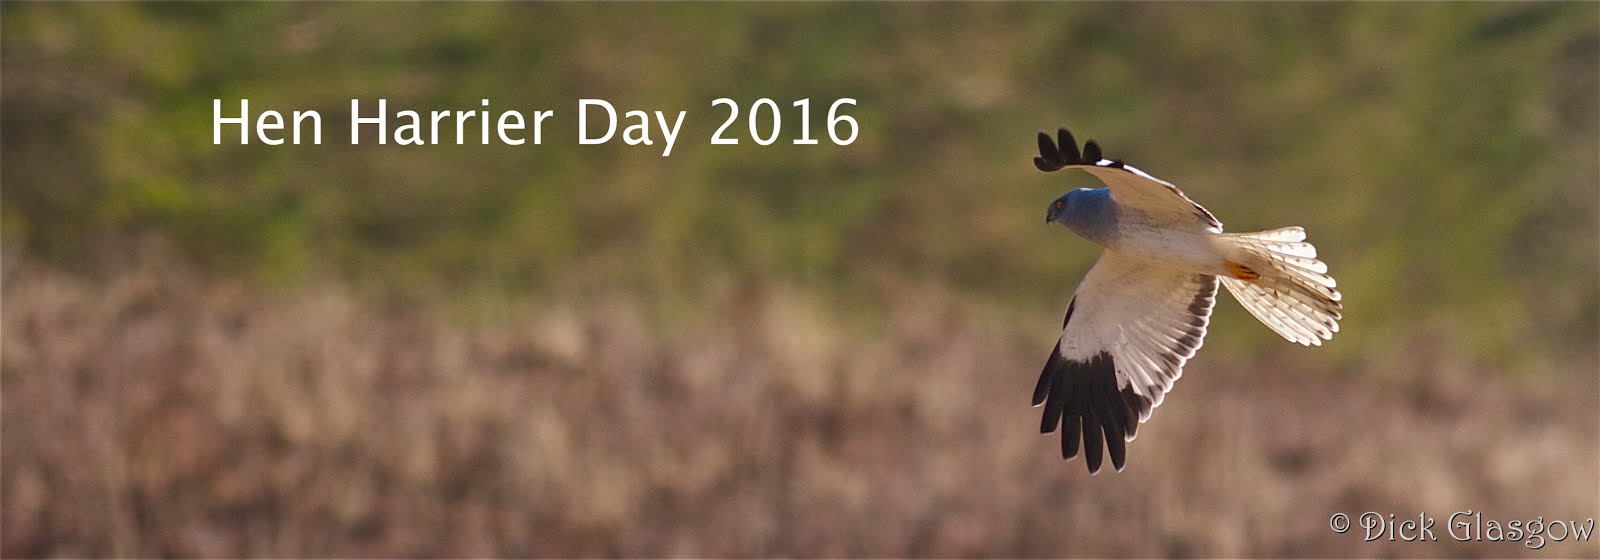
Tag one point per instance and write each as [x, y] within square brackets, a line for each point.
[1049, 216]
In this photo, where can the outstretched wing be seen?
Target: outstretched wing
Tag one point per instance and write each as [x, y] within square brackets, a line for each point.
[1128, 331]
[1130, 187]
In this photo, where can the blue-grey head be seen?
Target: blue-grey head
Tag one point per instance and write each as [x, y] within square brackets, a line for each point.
[1088, 212]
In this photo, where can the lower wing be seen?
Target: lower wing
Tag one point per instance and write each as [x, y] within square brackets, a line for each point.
[1129, 329]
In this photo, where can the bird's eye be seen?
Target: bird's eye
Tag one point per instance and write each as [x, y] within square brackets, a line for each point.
[1060, 204]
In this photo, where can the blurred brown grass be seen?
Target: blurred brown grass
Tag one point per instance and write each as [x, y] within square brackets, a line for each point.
[160, 412]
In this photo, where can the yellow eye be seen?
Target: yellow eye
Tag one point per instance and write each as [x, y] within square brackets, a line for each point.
[1059, 204]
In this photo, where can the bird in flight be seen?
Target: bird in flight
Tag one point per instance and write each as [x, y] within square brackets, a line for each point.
[1142, 309]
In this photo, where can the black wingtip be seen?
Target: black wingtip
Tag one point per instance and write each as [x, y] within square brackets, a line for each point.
[1051, 376]
[1062, 151]
[1049, 158]
[1050, 383]
[1091, 152]
[1058, 152]
[1042, 389]
[1095, 416]
[1069, 437]
[1093, 446]
[1068, 146]
[1118, 446]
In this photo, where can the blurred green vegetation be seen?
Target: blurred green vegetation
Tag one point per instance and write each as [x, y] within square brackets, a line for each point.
[1443, 156]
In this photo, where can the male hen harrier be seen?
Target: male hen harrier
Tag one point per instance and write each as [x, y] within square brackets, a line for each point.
[1142, 310]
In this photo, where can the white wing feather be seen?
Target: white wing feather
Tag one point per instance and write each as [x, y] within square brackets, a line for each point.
[1150, 319]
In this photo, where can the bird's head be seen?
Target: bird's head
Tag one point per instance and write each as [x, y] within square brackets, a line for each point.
[1064, 207]
[1088, 212]
[1057, 206]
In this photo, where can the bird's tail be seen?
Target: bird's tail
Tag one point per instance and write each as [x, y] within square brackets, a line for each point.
[1275, 274]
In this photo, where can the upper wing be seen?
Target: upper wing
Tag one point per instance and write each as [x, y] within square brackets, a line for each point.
[1130, 187]
[1128, 331]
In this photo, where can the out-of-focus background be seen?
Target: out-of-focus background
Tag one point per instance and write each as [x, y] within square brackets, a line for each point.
[566, 350]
